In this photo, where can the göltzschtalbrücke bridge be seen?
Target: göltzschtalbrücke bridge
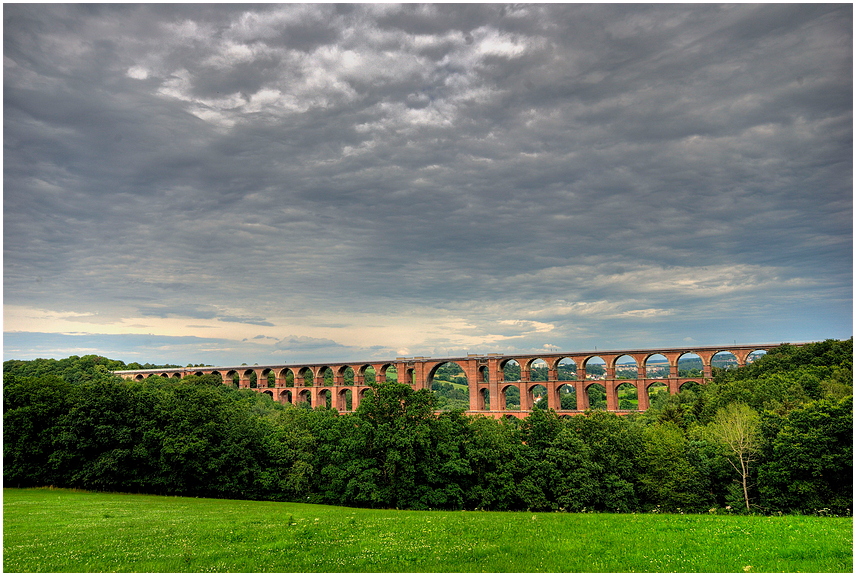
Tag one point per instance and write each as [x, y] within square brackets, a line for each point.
[312, 383]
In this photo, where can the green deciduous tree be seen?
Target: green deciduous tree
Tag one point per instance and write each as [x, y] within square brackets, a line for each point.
[668, 475]
[395, 430]
[615, 444]
[103, 440]
[810, 464]
[494, 451]
[736, 429]
[32, 410]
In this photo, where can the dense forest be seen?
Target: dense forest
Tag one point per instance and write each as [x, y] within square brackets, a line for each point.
[771, 437]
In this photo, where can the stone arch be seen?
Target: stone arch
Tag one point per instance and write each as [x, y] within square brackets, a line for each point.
[344, 400]
[246, 378]
[483, 398]
[268, 392]
[594, 370]
[656, 366]
[596, 394]
[483, 374]
[286, 377]
[657, 393]
[325, 398]
[539, 370]
[304, 396]
[566, 369]
[389, 372]
[626, 366]
[534, 393]
[509, 397]
[199, 373]
[139, 378]
[268, 379]
[230, 378]
[724, 360]
[305, 377]
[628, 396]
[176, 375]
[367, 374]
[755, 355]
[324, 376]
[690, 365]
[409, 376]
[164, 375]
[444, 370]
[286, 396]
[449, 383]
[345, 375]
[361, 393]
[509, 370]
[567, 395]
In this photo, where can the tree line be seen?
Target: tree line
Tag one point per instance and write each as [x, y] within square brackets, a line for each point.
[774, 436]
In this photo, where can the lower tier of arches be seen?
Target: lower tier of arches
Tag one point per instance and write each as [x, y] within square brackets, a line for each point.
[490, 398]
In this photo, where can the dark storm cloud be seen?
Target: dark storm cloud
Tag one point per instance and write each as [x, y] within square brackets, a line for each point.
[590, 168]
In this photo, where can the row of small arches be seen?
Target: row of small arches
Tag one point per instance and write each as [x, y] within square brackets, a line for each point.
[295, 377]
[654, 365]
[627, 396]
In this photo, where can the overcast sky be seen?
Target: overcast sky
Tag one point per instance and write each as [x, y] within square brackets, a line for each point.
[288, 183]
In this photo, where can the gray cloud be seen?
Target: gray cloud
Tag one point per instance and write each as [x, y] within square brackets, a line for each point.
[241, 320]
[302, 343]
[197, 312]
[636, 173]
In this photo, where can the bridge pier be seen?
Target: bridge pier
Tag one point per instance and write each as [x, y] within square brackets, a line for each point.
[642, 395]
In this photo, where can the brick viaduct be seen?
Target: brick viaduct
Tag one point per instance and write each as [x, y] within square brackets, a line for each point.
[484, 373]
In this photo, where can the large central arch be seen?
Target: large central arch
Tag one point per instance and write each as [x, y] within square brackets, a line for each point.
[449, 383]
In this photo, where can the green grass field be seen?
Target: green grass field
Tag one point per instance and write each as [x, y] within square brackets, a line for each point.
[51, 530]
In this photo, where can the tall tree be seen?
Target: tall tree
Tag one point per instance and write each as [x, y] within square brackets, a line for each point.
[33, 409]
[737, 430]
[668, 477]
[396, 428]
[810, 466]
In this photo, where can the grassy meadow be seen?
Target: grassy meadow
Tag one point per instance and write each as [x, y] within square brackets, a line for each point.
[55, 530]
